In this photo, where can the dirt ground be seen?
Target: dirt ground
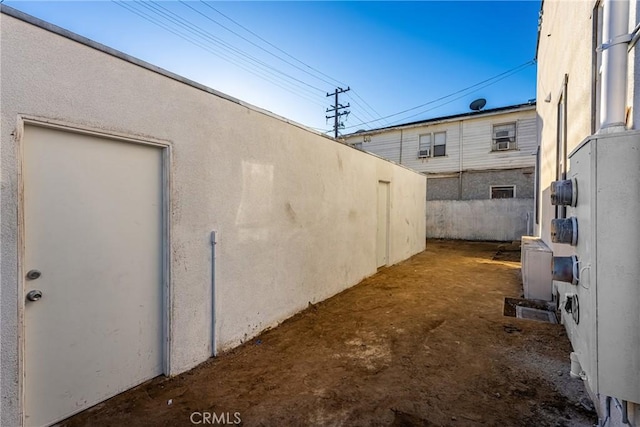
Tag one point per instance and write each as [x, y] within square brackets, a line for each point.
[421, 343]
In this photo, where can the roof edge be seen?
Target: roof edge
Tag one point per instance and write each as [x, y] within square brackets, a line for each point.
[445, 119]
[47, 26]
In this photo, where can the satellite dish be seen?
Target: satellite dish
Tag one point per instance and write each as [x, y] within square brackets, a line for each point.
[478, 104]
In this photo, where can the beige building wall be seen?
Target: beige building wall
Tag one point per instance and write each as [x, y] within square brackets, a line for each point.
[566, 50]
[563, 50]
[294, 211]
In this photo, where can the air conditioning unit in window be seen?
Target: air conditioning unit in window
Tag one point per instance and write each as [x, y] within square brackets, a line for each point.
[423, 154]
[502, 145]
[502, 139]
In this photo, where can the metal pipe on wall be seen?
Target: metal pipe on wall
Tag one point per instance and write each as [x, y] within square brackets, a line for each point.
[400, 147]
[213, 293]
[615, 32]
[460, 161]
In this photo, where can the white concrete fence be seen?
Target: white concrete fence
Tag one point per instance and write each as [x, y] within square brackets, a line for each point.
[492, 219]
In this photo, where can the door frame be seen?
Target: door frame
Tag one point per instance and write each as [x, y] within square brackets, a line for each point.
[166, 148]
[388, 222]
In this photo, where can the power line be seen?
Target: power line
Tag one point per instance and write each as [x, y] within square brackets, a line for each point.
[512, 70]
[251, 42]
[371, 113]
[282, 51]
[373, 116]
[275, 47]
[200, 44]
[176, 18]
[198, 34]
[202, 35]
[461, 96]
[355, 116]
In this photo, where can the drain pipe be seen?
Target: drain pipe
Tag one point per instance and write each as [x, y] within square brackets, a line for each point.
[615, 32]
[213, 294]
[461, 161]
[400, 146]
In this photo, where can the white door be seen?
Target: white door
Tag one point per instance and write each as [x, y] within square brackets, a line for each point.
[383, 224]
[93, 229]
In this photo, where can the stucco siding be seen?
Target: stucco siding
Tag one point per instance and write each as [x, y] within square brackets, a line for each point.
[567, 51]
[563, 49]
[288, 205]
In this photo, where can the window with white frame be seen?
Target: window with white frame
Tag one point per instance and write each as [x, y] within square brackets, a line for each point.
[503, 191]
[432, 145]
[504, 137]
[424, 148]
[439, 144]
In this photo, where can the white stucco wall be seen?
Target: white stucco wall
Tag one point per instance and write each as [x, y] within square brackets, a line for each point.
[491, 219]
[565, 47]
[295, 211]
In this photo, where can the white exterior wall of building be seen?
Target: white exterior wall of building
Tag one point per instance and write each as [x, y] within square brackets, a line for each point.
[477, 142]
[294, 211]
[554, 63]
[566, 49]
[470, 135]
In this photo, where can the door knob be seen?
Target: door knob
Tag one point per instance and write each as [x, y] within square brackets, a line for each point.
[34, 295]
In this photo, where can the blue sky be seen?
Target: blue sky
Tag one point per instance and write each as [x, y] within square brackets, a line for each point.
[395, 56]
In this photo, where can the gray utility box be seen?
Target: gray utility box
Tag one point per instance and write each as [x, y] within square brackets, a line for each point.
[606, 332]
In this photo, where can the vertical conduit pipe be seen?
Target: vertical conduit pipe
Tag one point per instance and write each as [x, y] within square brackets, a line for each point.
[615, 32]
[460, 161]
[213, 294]
[400, 147]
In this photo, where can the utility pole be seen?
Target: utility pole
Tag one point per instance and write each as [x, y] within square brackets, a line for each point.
[336, 108]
